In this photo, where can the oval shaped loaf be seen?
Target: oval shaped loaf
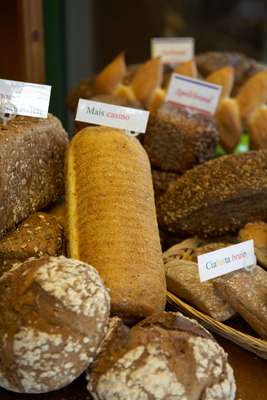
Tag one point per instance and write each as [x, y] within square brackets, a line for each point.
[112, 219]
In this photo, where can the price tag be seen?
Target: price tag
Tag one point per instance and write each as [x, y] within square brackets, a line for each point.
[193, 93]
[226, 260]
[30, 99]
[129, 119]
[173, 50]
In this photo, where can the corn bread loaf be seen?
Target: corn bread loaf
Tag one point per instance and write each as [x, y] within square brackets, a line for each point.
[32, 167]
[217, 197]
[112, 220]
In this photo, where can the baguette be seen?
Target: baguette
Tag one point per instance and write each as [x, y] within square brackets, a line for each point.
[225, 78]
[32, 167]
[112, 220]
[217, 197]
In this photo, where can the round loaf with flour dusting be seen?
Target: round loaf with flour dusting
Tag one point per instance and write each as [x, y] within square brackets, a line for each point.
[166, 356]
[54, 316]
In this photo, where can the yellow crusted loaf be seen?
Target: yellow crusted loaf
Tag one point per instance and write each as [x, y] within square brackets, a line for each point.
[112, 219]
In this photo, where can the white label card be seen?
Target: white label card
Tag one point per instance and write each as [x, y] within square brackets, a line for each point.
[129, 119]
[226, 260]
[173, 50]
[30, 99]
[193, 93]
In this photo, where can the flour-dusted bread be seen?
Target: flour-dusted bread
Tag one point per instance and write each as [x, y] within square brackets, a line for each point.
[32, 167]
[54, 315]
[111, 221]
[39, 235]
[217, 197]
[166, 356]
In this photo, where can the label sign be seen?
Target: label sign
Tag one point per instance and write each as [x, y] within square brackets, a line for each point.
[30, 99]
[94, 112]
[193, 93]
[173, 50]
[226, 260]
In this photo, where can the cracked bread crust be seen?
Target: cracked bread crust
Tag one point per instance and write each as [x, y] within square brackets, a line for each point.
[165, 356]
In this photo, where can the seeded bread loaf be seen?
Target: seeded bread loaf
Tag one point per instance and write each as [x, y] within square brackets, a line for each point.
[161, 180]
[177, 138]
[40, 234]
[32, 167]
[166, 356]
[54, 315]
[218, 197]
[246, 292]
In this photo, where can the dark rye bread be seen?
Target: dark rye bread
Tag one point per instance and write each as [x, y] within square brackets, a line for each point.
[39, 235]
[178, 138]
[31, 165]
[166, 356]
[217, 197]
[161, 180]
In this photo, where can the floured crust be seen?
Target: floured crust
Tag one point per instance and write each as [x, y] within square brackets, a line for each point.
[52, 330]
[165, 356]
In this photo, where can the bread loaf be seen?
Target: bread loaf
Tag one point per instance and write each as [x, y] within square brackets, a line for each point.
[166, 356]
[54, 315]
[257, 231]
[229, 123]
[217, 197]
[177, 138]
[112, 220]
[37, 236]
[161, 180]
[32, 167]
[246, 292]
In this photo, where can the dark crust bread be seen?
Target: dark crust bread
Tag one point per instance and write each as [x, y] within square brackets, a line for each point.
[37, 236]
[161, 180]
[217, 197]
[244, 66]
[165, 356]
[177, 138]
[32, 167]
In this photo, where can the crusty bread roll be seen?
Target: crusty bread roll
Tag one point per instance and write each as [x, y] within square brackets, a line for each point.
[146, 80]
[252, 95]
[32, 167]
[188, 68]
[258, 232]
[229, 123]
[225, 78]
[111, 76]
[112, 220]
[257, 128]
[166, 356]
[54, 315]
[217, 197]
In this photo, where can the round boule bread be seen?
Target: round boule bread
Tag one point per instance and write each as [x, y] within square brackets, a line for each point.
[166, 356]
[54, 316]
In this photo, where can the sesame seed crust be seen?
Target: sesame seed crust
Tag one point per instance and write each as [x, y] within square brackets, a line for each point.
[55, 314]
[216, 197]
